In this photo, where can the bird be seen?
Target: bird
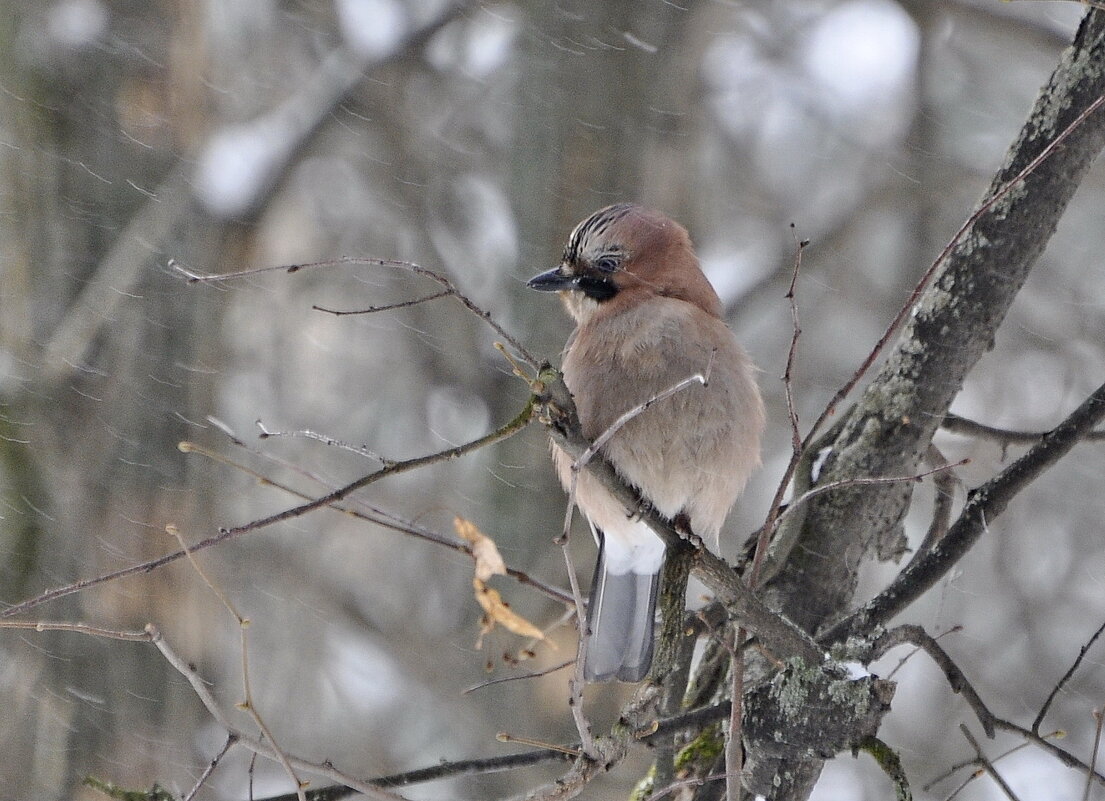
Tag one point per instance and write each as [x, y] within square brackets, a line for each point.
[646, 319]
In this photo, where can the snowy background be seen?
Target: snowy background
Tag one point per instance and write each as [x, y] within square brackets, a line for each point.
[248, 133]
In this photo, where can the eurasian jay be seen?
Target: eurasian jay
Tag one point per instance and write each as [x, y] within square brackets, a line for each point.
[647, 318]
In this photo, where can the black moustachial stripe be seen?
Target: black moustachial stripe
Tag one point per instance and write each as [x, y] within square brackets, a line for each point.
[596, 288]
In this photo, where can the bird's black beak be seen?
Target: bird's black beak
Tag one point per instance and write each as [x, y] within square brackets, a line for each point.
[553, 281]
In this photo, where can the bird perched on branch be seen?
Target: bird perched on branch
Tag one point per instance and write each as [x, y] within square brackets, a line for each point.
[647, 319]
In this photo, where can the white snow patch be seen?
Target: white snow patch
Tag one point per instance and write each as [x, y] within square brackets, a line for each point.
[372, 28]
[863, 52]
[75, 23]
[237, 164]
[856, 670]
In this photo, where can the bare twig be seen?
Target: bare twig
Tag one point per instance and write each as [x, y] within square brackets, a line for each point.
[983, 504]
[1065, 678]
[447, 285]
[151, 634]
[917, 649]
[792, 352]
[512, 427]
[915, 635]
[1098, 720]
[214, 763]
[821, 489]
[944, 485]
[247, 704]
[257, 746]
[306, 433]
[533, 675]
[1064, 756]
[577, 681]
[967, 764]
[679, 785]
[700, 378]
[570, 784]
[364, 511]
[445, 293]
[775, 510]
[693, 720]
[78, 628]
[505, 737]
[955, 424]
[987, 764]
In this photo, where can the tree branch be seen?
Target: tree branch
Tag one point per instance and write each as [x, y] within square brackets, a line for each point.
[983, 505]
[520, 421]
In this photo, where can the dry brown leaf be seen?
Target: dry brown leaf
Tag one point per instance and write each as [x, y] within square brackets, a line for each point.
[496, 610]
[488, 561]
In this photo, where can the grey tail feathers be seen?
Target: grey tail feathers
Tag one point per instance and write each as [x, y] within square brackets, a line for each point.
[620, 618]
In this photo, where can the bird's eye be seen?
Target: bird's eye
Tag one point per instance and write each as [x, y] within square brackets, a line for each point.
[606, 264]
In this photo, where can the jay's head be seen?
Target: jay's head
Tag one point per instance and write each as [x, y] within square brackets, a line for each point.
[625, 254]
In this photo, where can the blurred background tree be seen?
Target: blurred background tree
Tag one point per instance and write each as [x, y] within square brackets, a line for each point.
[469, 139]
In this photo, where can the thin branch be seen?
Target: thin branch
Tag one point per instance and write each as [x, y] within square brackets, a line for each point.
[505, 737]
[570, 784]
[306, 433]
[214, 763]
[694, 720]
[771, 524]
[917, 649]
[78, 628]
[987, 764]
[1066, 677]
[679, 785]
[955, 424]
[246, 705]
[504, 679]
[605, 436]
[944, 485]
[983, 504]
[447, 285]
[151, 634]
[445, 293]
[821, 489]
[969, 763]
[1064, 756]
[329, 499]
[577, 681]
[1098, 720]
[364, 511]
[371, 788]
[915, 635]
[259, 747]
